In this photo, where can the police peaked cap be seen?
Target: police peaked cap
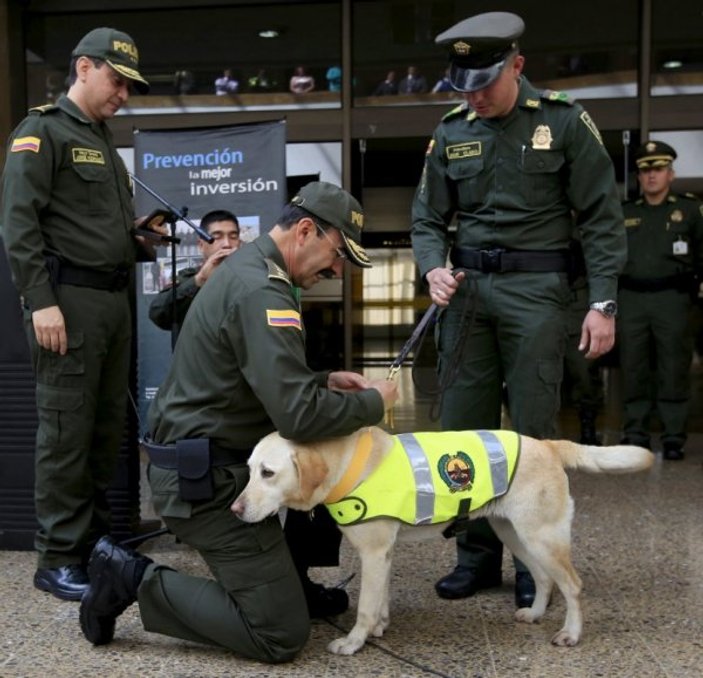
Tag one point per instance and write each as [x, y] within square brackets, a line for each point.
[479, 47]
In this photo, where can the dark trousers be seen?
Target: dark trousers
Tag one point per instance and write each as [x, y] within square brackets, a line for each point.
[656, 349]
[255, 604]
[81, 401]
[518, 338]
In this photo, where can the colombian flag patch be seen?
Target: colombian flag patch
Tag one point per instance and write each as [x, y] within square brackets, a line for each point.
[26, 144]
[283, 318]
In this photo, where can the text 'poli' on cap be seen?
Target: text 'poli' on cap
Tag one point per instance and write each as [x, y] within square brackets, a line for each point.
[335, 206]
[117, 49]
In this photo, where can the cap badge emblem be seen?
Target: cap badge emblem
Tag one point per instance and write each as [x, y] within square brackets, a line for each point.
[651, 147]
[461, 48]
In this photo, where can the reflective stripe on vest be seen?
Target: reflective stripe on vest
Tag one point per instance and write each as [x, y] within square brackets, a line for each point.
[425, 476]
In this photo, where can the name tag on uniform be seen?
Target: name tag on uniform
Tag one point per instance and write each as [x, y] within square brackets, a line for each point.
[89, 155]
[468, 150]
[680, 247]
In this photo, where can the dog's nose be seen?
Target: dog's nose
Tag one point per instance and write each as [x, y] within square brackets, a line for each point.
[238, 507]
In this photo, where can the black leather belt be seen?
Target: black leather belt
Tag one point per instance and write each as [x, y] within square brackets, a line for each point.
[112, 281]
[166, 456]
[498, 260]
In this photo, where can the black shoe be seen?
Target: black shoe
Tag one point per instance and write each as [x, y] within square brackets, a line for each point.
[115, 573]
[68, 582]
[524, 589]
[672, 452]
[325, 602]
[587, 419]
[466, 581]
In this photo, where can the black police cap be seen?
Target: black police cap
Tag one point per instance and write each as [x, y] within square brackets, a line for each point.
[479, 46]
[654, 154]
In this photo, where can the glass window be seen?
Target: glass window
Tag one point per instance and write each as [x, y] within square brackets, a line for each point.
[567, 46]
[184, 50]
[677, 52]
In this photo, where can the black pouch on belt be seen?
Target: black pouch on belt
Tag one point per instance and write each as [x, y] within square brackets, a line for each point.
[194, 472]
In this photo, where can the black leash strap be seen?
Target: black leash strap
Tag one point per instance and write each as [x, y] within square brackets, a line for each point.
[414, 340]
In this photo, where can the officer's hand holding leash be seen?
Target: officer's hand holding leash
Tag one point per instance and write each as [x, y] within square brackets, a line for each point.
[443, 284]
[353, 381]
[597, 334]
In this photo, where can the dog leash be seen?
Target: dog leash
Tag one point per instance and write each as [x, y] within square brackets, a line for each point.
[415, 338]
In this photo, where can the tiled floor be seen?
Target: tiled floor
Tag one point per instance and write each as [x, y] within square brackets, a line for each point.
[638, 545]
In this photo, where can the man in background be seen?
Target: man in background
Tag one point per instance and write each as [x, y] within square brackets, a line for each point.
[664, 260]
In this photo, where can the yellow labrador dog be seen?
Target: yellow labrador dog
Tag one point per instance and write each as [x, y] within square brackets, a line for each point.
[532, 515]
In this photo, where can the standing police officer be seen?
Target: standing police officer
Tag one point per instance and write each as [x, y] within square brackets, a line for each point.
[68, 228]
[514, 164]
[665, 252]
[238, 373]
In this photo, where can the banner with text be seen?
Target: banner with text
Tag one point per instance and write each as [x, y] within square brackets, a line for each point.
[241, 169]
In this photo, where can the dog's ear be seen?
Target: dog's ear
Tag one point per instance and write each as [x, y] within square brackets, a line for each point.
[311, 469]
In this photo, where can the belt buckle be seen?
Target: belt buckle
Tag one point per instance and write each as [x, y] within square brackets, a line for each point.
[120, 278]
[491, 260]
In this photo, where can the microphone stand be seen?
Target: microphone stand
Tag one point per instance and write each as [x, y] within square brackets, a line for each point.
[626, 147]
[174, 215]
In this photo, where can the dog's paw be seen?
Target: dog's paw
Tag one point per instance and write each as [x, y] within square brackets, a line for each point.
[344, 645]
[527, 615]
[380, 628]
[565, 639]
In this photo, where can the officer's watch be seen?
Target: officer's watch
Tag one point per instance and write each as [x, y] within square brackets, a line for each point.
[608, 308]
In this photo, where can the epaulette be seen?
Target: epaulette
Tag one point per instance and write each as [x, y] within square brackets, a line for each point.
[276, 272]
[690, 196]
[456, 111]
[554, 95]
[41, 110]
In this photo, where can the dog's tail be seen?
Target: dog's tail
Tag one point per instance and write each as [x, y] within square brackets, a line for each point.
[612, 459]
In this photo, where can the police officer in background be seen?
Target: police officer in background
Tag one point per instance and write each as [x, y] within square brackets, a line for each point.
[68, 226]
[238, 373]
[665, 254]
[223, 226]
[514, 164]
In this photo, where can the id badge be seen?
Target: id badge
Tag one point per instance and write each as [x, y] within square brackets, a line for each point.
[680, 247]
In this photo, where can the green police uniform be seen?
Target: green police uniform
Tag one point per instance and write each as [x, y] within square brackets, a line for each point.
[665, 249]
[161, 307]
[67, 225]
[514, 184]
[238, 373]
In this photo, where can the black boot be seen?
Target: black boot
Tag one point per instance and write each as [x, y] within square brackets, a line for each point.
[587, 418]
[115, 573]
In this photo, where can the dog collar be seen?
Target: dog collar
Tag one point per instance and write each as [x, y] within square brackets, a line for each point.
[350, 479]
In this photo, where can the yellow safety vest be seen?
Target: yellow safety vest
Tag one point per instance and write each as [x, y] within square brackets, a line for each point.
[425, 477]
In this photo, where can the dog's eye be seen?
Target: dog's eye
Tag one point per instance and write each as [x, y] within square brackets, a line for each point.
[266, 473]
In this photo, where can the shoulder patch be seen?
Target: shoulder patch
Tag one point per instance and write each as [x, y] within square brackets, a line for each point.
[554, 95]
[275, 272]
[20, 144]
[588, 121]
[288, 318]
